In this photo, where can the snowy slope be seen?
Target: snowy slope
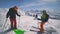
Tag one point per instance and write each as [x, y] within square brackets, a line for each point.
[26, 22]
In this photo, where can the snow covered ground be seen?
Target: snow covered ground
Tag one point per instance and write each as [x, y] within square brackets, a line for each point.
[26, 22]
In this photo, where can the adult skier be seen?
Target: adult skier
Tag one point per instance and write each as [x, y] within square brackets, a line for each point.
[44, 19]
[12, 16]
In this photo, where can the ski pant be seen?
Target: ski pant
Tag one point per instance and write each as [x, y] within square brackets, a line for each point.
[41, 25]
[13, 23]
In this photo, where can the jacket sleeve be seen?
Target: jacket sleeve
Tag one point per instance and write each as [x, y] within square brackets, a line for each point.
[7, 14]
[17, 14]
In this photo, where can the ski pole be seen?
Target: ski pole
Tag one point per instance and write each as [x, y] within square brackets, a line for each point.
[19, 20]
[4, 24]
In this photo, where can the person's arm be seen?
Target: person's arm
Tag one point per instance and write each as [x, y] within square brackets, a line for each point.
[38, 19]
[7, 15]
[17, 14]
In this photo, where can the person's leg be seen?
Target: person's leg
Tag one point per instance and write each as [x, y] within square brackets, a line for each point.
[42, 28]
[11, 20]
[15, 24]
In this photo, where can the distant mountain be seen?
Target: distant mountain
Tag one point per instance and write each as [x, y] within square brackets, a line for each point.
[39, 13]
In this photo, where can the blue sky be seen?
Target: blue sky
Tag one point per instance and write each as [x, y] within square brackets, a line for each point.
[31, 4]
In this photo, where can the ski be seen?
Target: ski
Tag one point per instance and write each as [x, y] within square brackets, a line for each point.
[35, 27]
[34, 30]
